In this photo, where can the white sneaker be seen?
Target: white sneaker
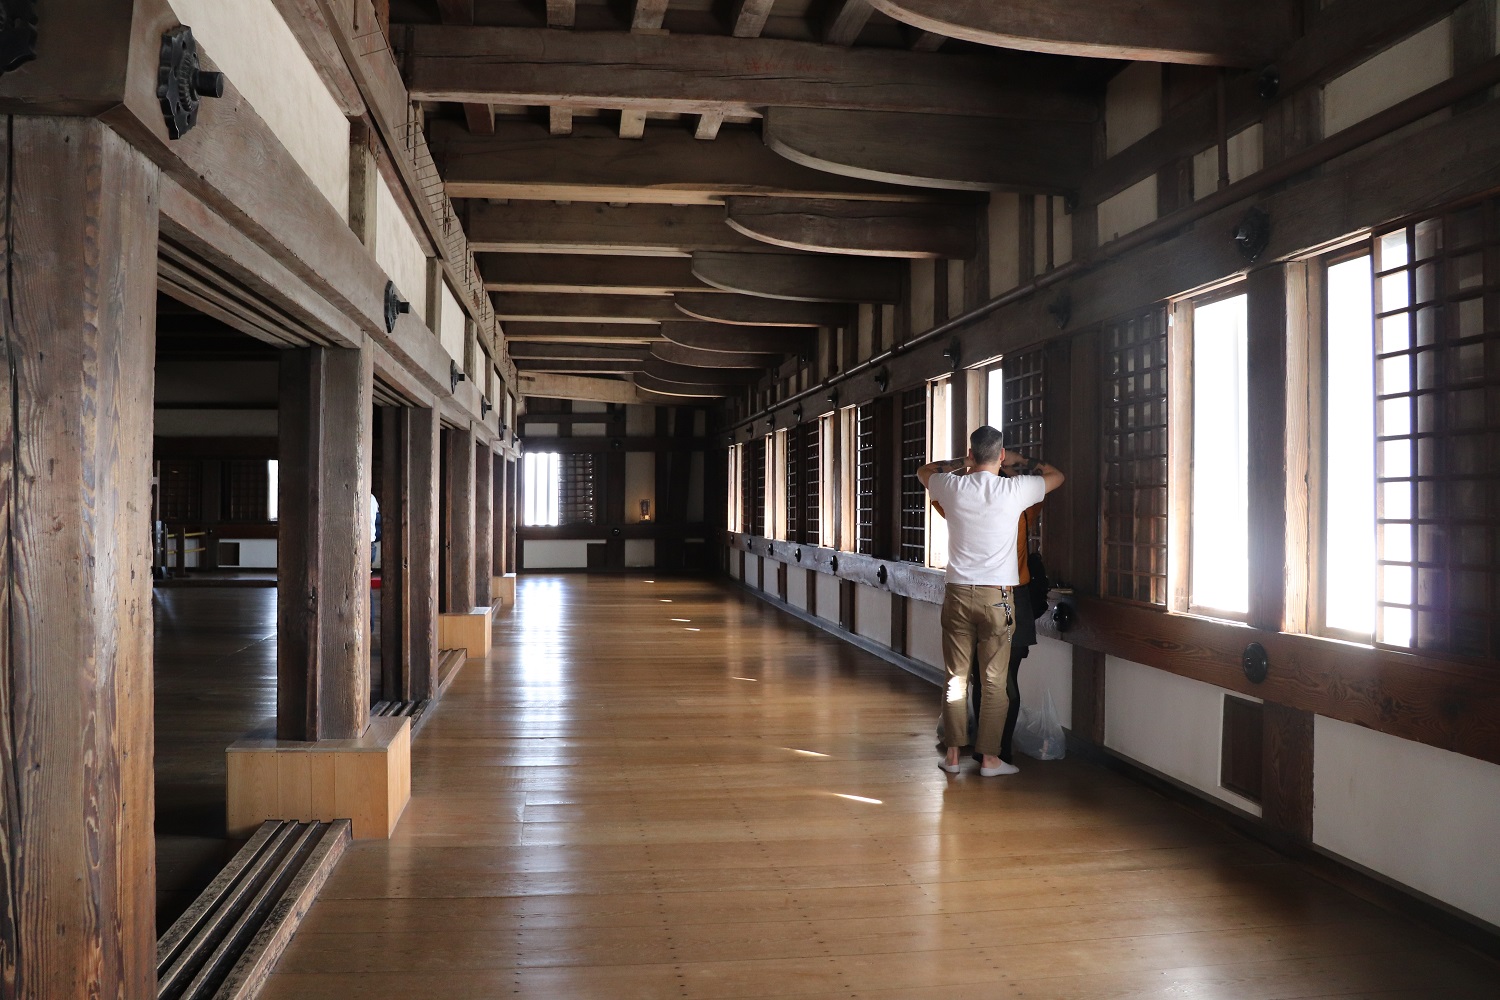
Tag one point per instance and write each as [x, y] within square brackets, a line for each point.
[993, 772]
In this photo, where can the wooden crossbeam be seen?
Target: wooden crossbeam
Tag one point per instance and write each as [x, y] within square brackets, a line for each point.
[934, 151]
[1204, 32]
[577, 352]
[694, 74]
[584, 332]
[745, 310]
[480, 119]
[632, 123]
[666, 166]
[697, 375]
[867, 228]
[559, 122]
[560, 13]
[585, 273]
[541, 307]
[750, 17]
[801, 277]
[738, 339]
[652, 383]
[680, 355]
[586, 367]
[846, 21]
[522, 226]
[648, 15]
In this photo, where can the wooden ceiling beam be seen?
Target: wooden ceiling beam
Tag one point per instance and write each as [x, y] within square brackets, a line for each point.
[667, 166]
[749, 17]
[694, 74]
[847, 19]
[601, 274]
[561, 13]
[1202, 32]
[559, 122]
[694, 358]
[934, 151]
[661, 386]
[859, 228]
[547, 385]
[698, 376]
[585, 367]
[647, 15]
[586, 332]
[738, 339]
[578, 352]
[534, 307]
[745, 310]
[801, 277]
[652, 230]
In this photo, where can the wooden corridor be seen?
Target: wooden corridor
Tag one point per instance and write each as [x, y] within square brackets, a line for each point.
[668, 789]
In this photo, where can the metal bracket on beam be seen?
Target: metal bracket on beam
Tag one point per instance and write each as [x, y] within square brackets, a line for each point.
[180, 83]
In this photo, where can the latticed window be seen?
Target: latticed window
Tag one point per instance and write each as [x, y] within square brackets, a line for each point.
[794, 484]
[811, 447]
[755, 493]
[865, 480]
[246, 490]
[748, 477]
[179, 491]
[1021, 423]
[577, 490]
[1135, 457]
[1437, 433]
[913, 457]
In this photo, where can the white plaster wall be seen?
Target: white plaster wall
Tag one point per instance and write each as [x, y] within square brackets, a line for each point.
[640, 420]
[400, 255]
[1128, 211]
[924, 632]
[547, 553]
[1048, 667]
[1169, 723]
[1246, 156]
[1425, 817]
[452, 328]
[923, 308]
[1004, 221]
[828, 597]
[541, 430]
[734, 564]
[1062, 233]
[1132, 106]
[753, 570]
[590, 430]
[1389, 77]
[589, 406]
[872, 613]
[255, 553]
[640, 484]
[796, 587]
[250, 42]
[640, 552]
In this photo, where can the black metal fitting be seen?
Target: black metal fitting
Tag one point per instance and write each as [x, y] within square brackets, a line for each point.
[455, 375]
[1253, 234]
[180, 83]
[395, 305]
[1255, 663]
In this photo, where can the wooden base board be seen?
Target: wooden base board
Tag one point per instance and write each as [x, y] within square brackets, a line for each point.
[503, 589]
[469, 632]
[365, 780]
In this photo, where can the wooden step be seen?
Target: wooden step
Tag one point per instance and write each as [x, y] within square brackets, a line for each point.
[224, 946]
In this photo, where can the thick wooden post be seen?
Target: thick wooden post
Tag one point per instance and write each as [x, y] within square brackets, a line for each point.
[501, 495]
[323, 600]
[484, 523]
[77, 879]
[395, 553]
[1266, 369]
[422, 553]
[458, 521]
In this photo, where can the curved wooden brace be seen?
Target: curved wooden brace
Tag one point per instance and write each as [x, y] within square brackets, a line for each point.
[737, 339]
[695, 358]
[746, 310]
[689, 375]
[800, 277]
[935, 151]
[1198, 32]
[861, 228]
[662, 387]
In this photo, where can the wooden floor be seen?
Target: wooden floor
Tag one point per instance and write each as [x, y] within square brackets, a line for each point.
[621, 804]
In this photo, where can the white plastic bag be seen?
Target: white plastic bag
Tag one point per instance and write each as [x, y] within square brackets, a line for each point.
[1038, 733]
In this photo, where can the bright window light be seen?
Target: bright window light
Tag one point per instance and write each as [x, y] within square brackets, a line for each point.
[1221, 497]
[273, 489]
[940, 446]
[542, 488]
[1349, 522]
[994, 399]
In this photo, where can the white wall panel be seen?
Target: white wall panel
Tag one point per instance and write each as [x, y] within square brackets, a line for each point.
[400, 255]
[1132, 106]
[1048, 667]
[796, 587]
[250, 42]
[924, 632]
[872, 613]
[1246, 151]
[1004, 222]
[828, 597]
[1168, 723]
[640, 552]
[1128, 211]
[1406, 68]
[451, 325]
[1428, 818]
[547, 553]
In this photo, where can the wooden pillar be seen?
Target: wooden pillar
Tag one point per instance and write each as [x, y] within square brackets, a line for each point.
[501, 496]
[1266, 367]
[1088, 695]
[77, 900]
[458, 521]
[484, 523]
[1287, 771]
[395, 552]
[323, 600]
[422, 552]
[512, 512]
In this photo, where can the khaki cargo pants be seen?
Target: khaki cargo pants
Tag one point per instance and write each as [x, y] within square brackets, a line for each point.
[985, 615]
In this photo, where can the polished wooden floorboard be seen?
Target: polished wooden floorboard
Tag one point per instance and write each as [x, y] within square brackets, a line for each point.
[618, 805]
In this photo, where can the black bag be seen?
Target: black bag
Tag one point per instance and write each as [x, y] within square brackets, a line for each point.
[1038, 586]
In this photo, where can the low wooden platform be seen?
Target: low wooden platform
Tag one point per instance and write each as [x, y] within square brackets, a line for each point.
[621, 805]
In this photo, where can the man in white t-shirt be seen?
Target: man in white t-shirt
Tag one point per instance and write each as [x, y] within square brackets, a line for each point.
[983, 510]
